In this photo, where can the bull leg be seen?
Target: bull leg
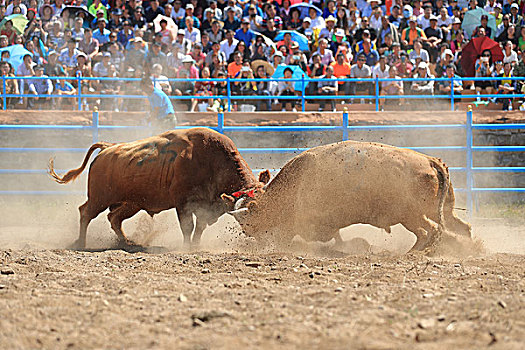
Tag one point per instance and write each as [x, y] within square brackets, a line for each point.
[186, 225]
[88, 212]
[200, 225]
[456, 225]
[119, 214]
[427, 233]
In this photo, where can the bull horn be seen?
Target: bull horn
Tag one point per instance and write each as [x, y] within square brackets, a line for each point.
[238, 211]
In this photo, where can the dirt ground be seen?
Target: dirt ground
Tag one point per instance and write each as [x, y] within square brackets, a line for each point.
[231, 295]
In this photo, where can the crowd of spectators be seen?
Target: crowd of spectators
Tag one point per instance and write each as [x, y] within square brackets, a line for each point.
[241, 39]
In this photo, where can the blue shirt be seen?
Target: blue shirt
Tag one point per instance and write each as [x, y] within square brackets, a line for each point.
[158, 99]
[67, 87]
[101, 37]
[246, 37]
[371, 58]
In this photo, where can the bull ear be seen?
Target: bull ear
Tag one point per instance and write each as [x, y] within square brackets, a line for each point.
[252, 205]
[264, 176]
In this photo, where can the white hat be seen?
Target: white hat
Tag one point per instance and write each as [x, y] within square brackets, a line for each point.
[189, 6]
[422, 65]
[340, 32]
[307, 19]
[447, 52]
[187, 59]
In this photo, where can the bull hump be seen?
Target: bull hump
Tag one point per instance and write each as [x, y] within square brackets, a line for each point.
[155, 151]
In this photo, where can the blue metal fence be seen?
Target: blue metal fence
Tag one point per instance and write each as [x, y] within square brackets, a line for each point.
[231, 98]
[469, 148]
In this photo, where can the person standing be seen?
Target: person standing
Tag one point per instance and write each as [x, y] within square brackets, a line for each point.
[162, 115]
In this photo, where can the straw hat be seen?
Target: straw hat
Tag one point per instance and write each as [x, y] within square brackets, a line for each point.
[267, 66]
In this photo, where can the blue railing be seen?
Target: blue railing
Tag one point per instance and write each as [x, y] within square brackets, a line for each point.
[469, 148]
[301, 94]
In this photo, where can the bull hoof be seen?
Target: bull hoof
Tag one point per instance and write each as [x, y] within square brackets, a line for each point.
[77, 245]
[130, 246]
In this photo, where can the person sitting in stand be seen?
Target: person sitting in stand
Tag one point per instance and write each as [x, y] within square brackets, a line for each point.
[445, 86]
[40, 87]
[327, 88]
[64, 88]
[286, 88]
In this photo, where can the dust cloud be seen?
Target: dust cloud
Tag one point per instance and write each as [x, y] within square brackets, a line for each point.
[51, 222]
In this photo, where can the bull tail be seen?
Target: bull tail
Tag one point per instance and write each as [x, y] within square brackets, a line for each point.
[444, 185]
[73, 174]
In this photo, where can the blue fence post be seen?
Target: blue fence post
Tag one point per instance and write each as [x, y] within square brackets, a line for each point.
[228, 97]
[345, 124]
[469, 161]
[452, 94]
[95, 123]
[303, 102]
[377, 94]
[220, 120]
[4, 97]
[79, 95]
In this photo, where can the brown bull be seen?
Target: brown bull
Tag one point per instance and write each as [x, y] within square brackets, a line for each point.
[330, 187]
[183, 169]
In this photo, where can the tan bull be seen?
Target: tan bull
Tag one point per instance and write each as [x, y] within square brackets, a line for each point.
[330, 187]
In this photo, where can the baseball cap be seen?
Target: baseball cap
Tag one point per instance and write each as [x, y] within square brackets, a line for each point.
[307, 19]
[181, 32]
[187, 59]
[434, 18]
[189, 6]
[514, 6]
[39, 67]
[412, 19]
[106, 54]
[456, 21]
[245, 21]
[340, 32]
[422, 65]
[447, 52]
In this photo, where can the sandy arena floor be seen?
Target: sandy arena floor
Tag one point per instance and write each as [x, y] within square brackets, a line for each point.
[230, 296]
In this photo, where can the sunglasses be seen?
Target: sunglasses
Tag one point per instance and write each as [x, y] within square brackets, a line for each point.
[486, 55]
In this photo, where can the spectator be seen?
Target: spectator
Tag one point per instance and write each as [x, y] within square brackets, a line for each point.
[457, 85]
[64, 88]
[229, 44]
[115, 23]
[295, 22]
[371, 55]
[327, 88]
[101, 34]
[425, 87]
[9, 32]
[126, 34]
[341, 70]
[483, 69]
[235, 66]
[411, 33]
[216, 34]
[11, 85]
[514, 17]
[361, 70]
[447, 59]
[270, 32]
[40, 87]
[392, 87]
[316, 21]
[435, 37]
[506, 86]
[286, 88]
[245, 34]
[155, 56]
[68, 56]
[326, 54]
[262, 88]
[510, 55]
[153, 11]
[418, 52]
[192, 34]
[78, 29]
[138, 20]
[160, 81]
[381, 71]
[329, 30]
[231, 22]
[97, 6]
[178, 12]
[385, 29]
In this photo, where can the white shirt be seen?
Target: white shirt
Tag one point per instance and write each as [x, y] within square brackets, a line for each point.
[423, 22]
[181, 13]
[318, 22]
[227, 48]
[9, 9]
[513, 57]
[193, 36]
[378, 73]
[446, 22]
[376, 23]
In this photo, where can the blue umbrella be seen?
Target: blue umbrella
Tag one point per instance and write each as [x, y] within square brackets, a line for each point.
[296, 36]
[472, 19]
[304, 8]
[16, 54]
[297, 73]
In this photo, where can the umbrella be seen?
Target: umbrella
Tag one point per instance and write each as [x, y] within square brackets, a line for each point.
[269, 42]
[73, 12]
[472, 19]
[267, 66]
[172, 27]
[296, 36]
[297, 73]
[16, 54]
[304, 8]
[473, 50]
[19, 22]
